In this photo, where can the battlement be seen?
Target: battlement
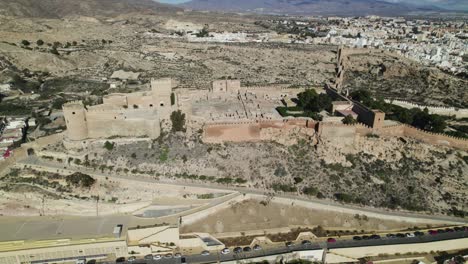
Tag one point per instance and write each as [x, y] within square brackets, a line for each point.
[73, 105]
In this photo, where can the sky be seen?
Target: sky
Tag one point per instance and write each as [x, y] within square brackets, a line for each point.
[450, 4]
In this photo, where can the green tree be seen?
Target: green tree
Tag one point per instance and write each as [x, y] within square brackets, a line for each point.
[109, 146]
[349, 120]
[178, 121]
[310, 101]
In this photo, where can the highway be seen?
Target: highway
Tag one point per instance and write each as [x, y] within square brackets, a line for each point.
[345, 243]
[34, 161]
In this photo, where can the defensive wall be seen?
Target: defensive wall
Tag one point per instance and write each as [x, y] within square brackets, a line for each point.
[447, 111]
[252, 131]
[403, 130]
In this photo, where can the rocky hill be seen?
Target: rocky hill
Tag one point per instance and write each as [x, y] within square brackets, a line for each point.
[61, 8]
[398, 78]
[308, 7]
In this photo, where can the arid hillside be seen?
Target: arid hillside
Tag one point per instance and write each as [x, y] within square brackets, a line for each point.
[61, 8]
[399, 78]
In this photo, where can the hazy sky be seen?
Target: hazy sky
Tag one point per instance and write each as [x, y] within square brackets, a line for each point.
[456, 4]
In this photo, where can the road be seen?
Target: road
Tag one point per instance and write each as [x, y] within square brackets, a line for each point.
[215, 257]
[406, 216]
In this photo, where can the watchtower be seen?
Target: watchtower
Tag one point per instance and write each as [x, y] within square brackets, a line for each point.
[162, 92]
[75, 118]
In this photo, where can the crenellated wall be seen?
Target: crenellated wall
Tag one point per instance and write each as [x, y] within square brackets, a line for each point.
[448, 111]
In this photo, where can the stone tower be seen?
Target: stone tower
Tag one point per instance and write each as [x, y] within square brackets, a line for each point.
[75, 118]
[162, 91]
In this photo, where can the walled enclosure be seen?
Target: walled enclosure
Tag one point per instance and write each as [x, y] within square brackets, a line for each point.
[123, 115]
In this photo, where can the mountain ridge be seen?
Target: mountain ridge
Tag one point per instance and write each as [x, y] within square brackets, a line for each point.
[62, 8]
[309, 7]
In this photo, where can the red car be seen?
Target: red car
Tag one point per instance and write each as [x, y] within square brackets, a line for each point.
[433, 232]
[331, 240]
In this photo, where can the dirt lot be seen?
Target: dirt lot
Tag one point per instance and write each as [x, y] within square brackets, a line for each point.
[257, 216]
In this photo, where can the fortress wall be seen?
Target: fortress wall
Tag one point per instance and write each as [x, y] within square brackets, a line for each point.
[436, 139]
[449, 111]
[123, 127]
[251, 130]
[141, 100]
[424, 136]
[115, 99]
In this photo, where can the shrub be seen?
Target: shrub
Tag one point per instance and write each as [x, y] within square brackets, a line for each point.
[109, 146]
[79, 179]
[178, 121]
[349, 120]
[25, 42]
[40, 42]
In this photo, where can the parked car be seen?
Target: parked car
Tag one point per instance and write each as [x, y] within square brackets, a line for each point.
[149, 257]
[205, 253]
[306, 242]
[157, 257]
[449, 230]
[391, 235]
[247, 249]
[459, 228]
[433, 232]
[183, 260]
[419, 233]
[331, 240]
[225, 251]
[119, 260]
[177, 255]
[237, 250]
[365, 237]
[440, 231]
[131, 259]
[400, 235]
[357, 238]
[168, 256]
[374, 237]
[289, 244]
[257, 247]
[409, 235]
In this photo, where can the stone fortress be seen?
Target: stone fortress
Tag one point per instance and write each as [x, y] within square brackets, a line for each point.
[121, 115]
[229, 112]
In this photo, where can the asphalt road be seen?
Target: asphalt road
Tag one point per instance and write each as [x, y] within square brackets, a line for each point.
[35, 161]
[215, 257]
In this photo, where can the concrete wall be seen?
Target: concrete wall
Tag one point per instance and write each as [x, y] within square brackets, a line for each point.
[117, 248]
[160, 234]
